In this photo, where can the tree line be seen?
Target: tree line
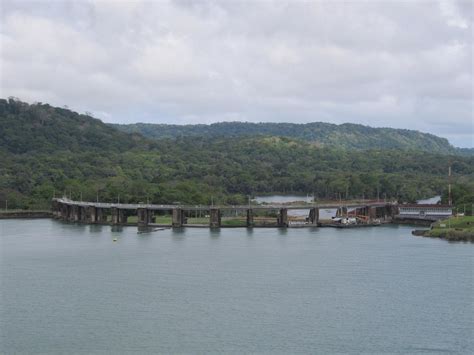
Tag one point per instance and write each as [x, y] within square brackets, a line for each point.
[90, 160]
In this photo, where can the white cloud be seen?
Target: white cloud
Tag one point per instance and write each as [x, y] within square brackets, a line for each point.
[398, 64]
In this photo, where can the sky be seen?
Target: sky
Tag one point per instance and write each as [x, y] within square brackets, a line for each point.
[401, 64]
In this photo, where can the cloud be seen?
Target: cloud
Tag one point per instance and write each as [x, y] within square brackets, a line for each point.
[396, 64]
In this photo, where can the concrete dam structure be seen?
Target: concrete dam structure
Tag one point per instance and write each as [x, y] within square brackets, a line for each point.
[182, 216]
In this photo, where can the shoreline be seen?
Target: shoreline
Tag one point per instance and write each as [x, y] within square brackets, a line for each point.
[50, 215]
[450, 235]
[26, 214]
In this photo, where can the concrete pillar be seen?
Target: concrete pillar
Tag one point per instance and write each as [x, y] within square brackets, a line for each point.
[70, 213]
[54, 208]
[100, 215]
[91, 214]
[361, 211]
[392, 210]
[177, 217]
[75, 216]
[115, 215]
[59, 212]
[314, 215]
[283, 218]
[372, 212]
[83, 214]
[144, 216]
[249, 218]
[80, 213]
[341, 211]
[64, 212]
[114, 212]
[122, 216]
[380, 212]
[215, 221]
[119, 217]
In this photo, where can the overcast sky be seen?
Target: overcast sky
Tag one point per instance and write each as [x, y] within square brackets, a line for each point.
[403, 64]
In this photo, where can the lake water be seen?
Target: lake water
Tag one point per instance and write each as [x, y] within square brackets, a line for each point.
[70, 289]
[431, 200]
[323, 213]
[327, 213]
[283, 198]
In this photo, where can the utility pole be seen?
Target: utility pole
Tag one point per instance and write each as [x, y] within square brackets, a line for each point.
[6, 205]
[450, 201]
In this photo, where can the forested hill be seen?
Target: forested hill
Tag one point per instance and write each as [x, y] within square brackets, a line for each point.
[46, 151]
[43, 128]
[347, 135]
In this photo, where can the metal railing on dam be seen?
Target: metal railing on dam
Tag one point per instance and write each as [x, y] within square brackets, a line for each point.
[134, 206]
[146, 214]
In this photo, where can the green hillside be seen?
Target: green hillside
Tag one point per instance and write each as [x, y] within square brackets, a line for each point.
[347, 135]
[41, 127]
[46, 151]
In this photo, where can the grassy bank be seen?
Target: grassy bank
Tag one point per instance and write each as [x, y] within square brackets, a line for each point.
[453, 229]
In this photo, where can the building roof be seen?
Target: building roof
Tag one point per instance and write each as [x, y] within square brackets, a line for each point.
[425, 206]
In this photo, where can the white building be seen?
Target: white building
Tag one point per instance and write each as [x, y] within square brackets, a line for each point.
[432, 212]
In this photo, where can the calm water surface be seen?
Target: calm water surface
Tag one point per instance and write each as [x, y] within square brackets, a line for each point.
[431, 200]
[283, 198]
[70, 289]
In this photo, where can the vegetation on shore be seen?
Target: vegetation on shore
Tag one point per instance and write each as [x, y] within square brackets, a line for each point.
[453, 229]
[46, 151]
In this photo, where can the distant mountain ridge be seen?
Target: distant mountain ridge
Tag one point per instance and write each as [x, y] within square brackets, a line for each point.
[46, 151]
[347, 135]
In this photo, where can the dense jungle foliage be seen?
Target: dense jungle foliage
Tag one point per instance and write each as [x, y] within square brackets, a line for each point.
[347, 135]
[46, 151]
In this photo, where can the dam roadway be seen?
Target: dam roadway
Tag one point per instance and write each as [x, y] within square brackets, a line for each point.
[118, 213]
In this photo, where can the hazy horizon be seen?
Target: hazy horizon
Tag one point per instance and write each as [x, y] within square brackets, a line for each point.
[381, 64]
[252, 122]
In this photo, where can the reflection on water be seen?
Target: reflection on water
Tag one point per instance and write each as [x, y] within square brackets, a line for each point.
[116, 228]
[95, 228]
